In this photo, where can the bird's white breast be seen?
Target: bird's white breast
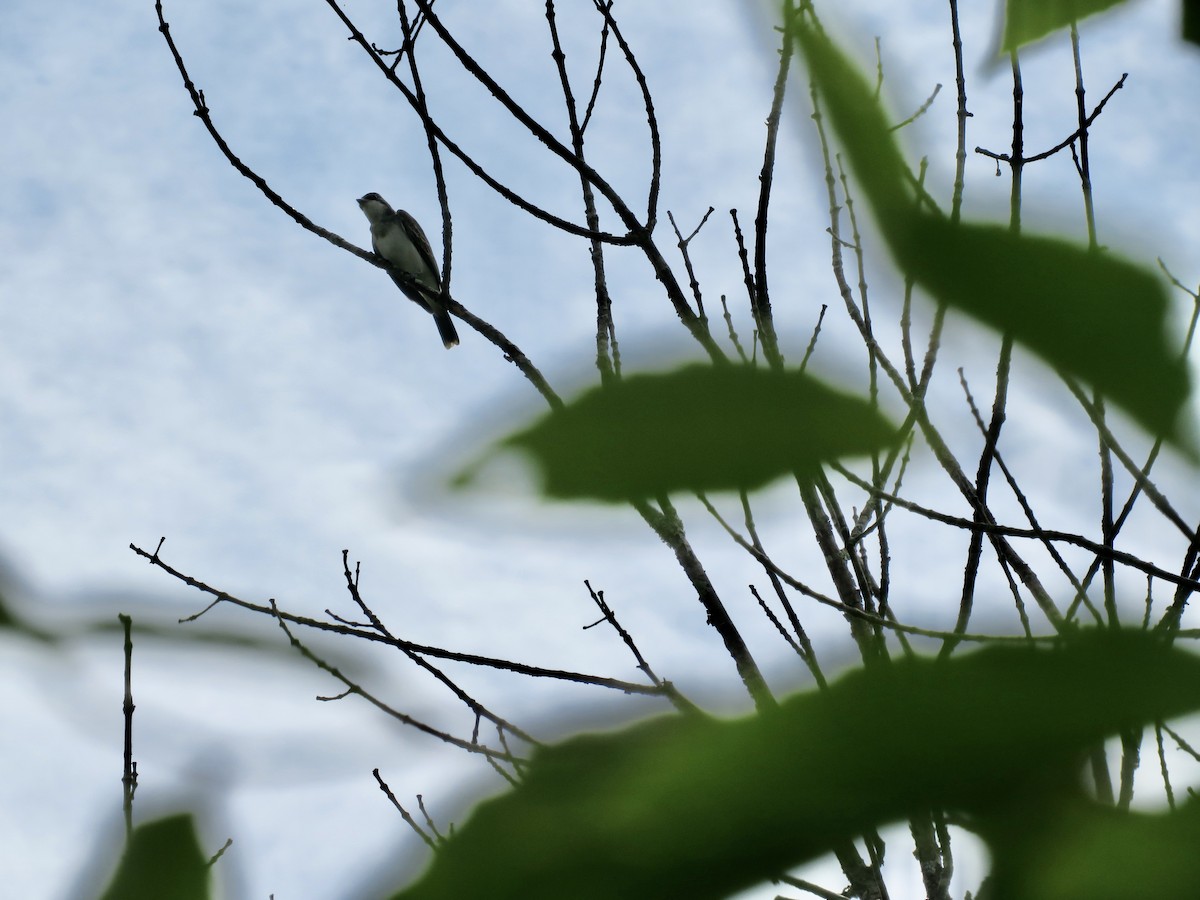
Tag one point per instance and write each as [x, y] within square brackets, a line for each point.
[394, 245]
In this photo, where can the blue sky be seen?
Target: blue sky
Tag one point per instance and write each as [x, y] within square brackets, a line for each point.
[180, 360]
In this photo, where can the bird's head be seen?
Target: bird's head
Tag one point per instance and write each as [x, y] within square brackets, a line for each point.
[373, 206]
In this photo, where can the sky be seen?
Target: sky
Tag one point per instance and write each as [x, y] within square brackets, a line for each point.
[181, 361]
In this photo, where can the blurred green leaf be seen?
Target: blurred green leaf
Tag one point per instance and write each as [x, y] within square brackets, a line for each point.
[10, 621]
[1091, 315]
[1191, 21]
[1088, 314]
[1084, 851]
[698, 428]
[162, 861]
[1026, 21]
[859, 119]
[699, 808]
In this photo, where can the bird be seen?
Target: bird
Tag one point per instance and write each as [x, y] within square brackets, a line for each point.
[396, 236]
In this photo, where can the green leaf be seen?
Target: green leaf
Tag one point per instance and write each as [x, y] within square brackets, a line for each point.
[1084, 851]
[162, 861]
[10, 621]
[858, 117]
[699, 429]
[1026, 21]
[1191, 21]
[1089, 314]
[699, 808]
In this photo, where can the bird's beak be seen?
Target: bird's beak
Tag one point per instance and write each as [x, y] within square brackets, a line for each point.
[360, 200]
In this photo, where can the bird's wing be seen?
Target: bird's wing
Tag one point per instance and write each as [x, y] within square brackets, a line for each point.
[410, 225]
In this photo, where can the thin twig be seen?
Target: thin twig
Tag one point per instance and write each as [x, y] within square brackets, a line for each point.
[678, 700]
[129, 777]
[921, 110]
[412, 823]
[370, 635]
[1066, 142]
[352, 687]
[1040, 534]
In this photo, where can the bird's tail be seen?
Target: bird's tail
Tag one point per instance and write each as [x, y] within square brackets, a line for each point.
[445, 327]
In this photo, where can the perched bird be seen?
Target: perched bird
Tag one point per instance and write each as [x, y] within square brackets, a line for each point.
[396, 236]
